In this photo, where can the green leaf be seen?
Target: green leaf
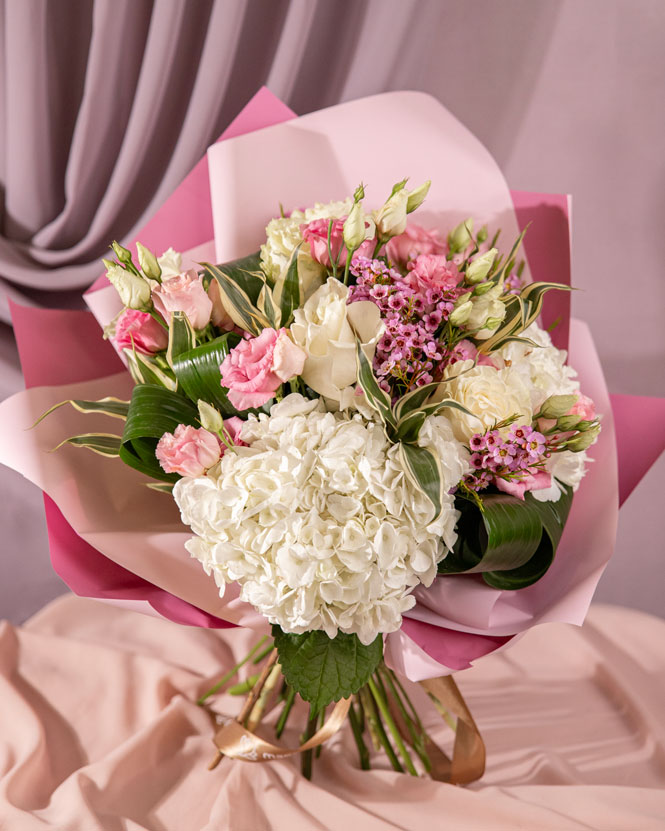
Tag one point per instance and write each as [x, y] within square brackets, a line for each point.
[377, 398]
[287, 292]
[145, 370]
[242, 303]
[198, 372]
[423, 468]
[323, 669]
[182, 337]
[105, 444]
[153, 411]
[246, 272]
[511, 542]
[114, 407]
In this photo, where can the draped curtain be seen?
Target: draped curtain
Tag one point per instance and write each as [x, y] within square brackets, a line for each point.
[105, 105]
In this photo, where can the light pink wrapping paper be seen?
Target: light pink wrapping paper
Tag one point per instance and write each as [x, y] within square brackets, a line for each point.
[100, 732]
[467, 620]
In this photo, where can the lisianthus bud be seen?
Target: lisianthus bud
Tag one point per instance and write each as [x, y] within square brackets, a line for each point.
[583, 440]
[460, 315]
[391, 219]
[148, 262]
[478, 270]
[134, 290]
[568, 422]
[359, 193]
[123, 254]
[209, 417]
[557, 405]
[584, 425]
[493, 323]
[354, 228]
[417, 197]
[483, 288]
[460, 237]
[482, 234]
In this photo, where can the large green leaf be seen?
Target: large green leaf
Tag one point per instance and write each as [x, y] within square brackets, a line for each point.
[198, 372]
[424, 470]
[153, 411]
[323, 669]
[182, 336]
[512, 542]
[287, 292]
[241, 288]
[114, 407]
[377, 398]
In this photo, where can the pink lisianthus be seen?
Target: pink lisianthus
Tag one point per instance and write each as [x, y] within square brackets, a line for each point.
[189, 451]
[583, 407]
[233, 427]
[140, 330]
[412, 243]
[316, 234]
[184, 293]
[518, 487]
[432, 271]
[254, 369]
[465, 350]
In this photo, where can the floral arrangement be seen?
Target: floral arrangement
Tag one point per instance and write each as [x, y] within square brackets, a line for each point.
[360, 407]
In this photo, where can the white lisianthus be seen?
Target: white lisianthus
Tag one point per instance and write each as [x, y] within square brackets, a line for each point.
[283, 234]
[326, 329]
[543, 367]
[317, 521]
[491, 395]
[171, 263]
[485, 308]
[566, 467]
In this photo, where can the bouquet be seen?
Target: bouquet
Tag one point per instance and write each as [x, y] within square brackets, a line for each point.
[360, 407]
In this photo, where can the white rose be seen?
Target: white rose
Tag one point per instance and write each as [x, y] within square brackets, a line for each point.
[171, 263]
[543, 367]
[491, 395]
[326, 329]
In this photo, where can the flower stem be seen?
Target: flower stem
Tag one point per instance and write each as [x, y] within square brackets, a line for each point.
[259, 708]
[229, 675]
[363, 752]
[387, 717]
[346, 267]
[376, 726]
[283, 716]
[418, 737]
[307, 756]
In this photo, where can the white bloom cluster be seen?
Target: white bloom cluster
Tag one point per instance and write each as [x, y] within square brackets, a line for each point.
[544, 371]
[283, 234]
[317, 521]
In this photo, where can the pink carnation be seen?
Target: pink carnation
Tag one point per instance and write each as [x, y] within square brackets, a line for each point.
[432, 271]
[190, 451]
[414, 242]
[316, 234]
[256, 368]
[140, 330]
[184, 293]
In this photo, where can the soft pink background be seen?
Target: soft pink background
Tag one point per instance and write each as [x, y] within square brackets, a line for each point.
[566, 95]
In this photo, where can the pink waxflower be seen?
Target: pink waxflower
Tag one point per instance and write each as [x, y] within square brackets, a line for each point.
[255, 368]
[518, 487]
[583, 407]
[189, 451]
[140, 330]
[432, 271]
[316, 234]
[412, 243]
[184, 293]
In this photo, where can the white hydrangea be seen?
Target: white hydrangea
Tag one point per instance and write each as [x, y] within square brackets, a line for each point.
[317, 521]
[283, 234]
[543, 367]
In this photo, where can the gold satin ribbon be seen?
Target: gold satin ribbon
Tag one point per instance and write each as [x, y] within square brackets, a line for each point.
[466, 765]
[235, 741]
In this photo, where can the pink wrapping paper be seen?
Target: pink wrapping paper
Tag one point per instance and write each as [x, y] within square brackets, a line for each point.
[468, 621]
